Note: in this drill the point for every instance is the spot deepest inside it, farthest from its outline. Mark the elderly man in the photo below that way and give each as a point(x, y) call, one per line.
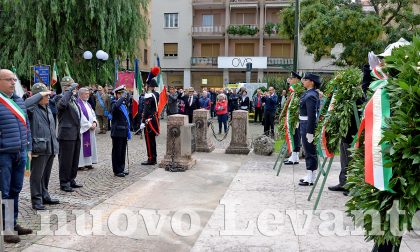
point(15, 137)
point(88, 123)
point(103, 106)
point(44, 145)
point(68, 134)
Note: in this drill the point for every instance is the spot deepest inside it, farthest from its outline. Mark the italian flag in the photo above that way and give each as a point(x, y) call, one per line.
point(137, 88)
point(54, 78)
point(376, 112)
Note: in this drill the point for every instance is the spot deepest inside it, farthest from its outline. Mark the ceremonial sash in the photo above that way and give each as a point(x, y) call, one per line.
point(322, 142)
point(87, 148)
point(11, 105)
point(376, 112)
point(123, 109)
point(289, 129)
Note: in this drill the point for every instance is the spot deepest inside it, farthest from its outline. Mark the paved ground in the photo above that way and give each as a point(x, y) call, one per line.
point(235, 203)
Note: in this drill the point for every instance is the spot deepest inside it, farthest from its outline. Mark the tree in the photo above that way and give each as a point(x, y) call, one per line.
point(63, 29)
point(327, 23)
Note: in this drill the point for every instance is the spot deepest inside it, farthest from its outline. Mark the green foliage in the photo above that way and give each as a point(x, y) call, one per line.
point(293, 108)
point(327, 95)
point(357, 31)
point(55, 29)
point(270, 28)
point(402, 132)
point(242, 30)
point(348, 90)
point(277, 81)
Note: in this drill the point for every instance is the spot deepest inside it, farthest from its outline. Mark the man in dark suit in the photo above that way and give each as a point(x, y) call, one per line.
point(191, 104)
point(244, 101)
point(68, 113)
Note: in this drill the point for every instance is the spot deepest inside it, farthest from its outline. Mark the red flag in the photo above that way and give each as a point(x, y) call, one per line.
point(163, 99)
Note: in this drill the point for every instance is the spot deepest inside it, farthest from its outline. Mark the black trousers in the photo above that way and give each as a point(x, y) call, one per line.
point(269, 123)
point(344, 161)
point(296, 140)
point(259, 114)
point(40, 177)
point(311, 157)
point(190, 117)
point(68, 161)
point(150, 137)
point(119, 147)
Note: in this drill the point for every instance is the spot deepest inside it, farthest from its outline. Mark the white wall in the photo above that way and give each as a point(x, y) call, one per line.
point(180, 35)
point(306, 61)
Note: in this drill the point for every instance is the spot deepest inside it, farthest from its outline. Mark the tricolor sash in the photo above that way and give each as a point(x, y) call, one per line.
point(289, 129)
point(322, 142)
point(11, 105)
point(87, 148)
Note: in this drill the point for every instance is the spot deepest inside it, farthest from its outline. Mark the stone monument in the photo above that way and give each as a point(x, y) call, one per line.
point(178, 143)
point(239, 129)
point(263, 145)
point(203, 141)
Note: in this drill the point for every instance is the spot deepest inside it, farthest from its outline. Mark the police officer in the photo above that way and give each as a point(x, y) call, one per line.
point(150, 120)
point(307, 121)
point(293, 80)
point(120, 130)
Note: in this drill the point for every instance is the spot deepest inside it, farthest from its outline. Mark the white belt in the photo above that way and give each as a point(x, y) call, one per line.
point(303, 118)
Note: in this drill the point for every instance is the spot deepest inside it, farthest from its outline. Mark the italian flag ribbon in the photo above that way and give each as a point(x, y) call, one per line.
point(13, 107)
point(322, 142)
point(289, 129)
point(377, 110)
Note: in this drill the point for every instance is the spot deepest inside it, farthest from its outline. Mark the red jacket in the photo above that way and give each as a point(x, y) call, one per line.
point(224, 107)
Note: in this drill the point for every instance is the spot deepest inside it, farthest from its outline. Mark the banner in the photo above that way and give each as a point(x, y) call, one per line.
point(127, 79)
point(41, 73)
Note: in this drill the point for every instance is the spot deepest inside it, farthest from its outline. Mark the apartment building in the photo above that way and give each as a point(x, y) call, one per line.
point(207, 43)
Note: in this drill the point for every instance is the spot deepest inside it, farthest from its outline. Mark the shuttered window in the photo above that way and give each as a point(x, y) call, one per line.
point(170, 49)
point(281, 50)
point(210, 50)
point(244, 49)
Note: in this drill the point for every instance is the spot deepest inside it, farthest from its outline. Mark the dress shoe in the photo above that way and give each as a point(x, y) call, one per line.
point(51, 201)
point(11, 238)
point(121, 174)
point(290, 163)
point(336, 188)
point(126, 173)
point(22, 231)
point(38, 207)
point(305, 183)
point(149, 162)
point(89, 167)
point(76, 185)
point(346, 193)
point(66, 189)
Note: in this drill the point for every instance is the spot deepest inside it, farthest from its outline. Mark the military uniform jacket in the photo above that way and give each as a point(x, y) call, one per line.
point(68, 117)
point(151, 101)
point(308, 109)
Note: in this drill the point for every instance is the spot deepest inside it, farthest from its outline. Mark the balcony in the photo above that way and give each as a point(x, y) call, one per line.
point(208, 4)
point(285, 63)
point(246, 31)
point(204, 61)
point(277, 3)
point(208, 31)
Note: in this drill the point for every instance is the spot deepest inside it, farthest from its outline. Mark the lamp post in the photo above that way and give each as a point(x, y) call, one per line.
point(101, 57)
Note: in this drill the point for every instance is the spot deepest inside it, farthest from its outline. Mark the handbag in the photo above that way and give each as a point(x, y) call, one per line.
point(39, 145)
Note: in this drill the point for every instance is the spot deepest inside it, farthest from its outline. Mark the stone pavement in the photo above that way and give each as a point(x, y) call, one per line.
point(195, 210)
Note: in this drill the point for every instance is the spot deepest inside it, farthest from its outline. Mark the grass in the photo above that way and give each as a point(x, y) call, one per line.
point(277, 145)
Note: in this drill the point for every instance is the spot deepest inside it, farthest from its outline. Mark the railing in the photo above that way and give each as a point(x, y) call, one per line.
point(279, 62)
point(207, 1)
point(279, 1)
point(208, 30)
point(204, 61)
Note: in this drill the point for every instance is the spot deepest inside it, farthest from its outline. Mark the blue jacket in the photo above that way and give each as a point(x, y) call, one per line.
point(270, 103)
point(309, 107)
point(14, 135)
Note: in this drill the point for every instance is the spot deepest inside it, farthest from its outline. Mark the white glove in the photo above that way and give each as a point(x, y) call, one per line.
point(310, 137)
point(142, 126)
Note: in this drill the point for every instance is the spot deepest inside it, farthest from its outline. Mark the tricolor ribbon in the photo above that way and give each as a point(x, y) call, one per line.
point(322, 143)
point(289, 129)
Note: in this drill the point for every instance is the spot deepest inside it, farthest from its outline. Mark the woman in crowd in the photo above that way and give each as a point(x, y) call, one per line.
point(222, 112)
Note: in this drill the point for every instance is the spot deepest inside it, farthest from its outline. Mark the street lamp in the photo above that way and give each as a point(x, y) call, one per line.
point(101, 57)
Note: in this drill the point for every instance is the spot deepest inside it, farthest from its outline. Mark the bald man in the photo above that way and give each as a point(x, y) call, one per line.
point(15, 138)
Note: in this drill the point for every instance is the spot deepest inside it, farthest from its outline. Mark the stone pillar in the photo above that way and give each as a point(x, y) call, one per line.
point(203, 141)
point(239, 129)
point(181, 147)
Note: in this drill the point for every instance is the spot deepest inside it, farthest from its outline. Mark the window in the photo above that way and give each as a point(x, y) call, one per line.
point(171, 20)
point(282, 50)
point(244, 49)
point(170, 49)
point(145, 56)
point(207, 20)
point(210, 50)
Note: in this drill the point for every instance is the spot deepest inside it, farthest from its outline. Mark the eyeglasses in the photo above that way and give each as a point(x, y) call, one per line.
point(10, 79)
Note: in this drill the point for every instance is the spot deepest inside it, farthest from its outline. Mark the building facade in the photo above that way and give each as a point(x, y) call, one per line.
point(194, 37)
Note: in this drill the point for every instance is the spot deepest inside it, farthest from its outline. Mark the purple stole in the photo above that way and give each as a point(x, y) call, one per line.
point(87, 150)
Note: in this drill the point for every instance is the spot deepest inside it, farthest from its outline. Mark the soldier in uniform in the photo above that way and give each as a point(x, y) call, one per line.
point(150, 120)
point(294, 158)
point(307, 121)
